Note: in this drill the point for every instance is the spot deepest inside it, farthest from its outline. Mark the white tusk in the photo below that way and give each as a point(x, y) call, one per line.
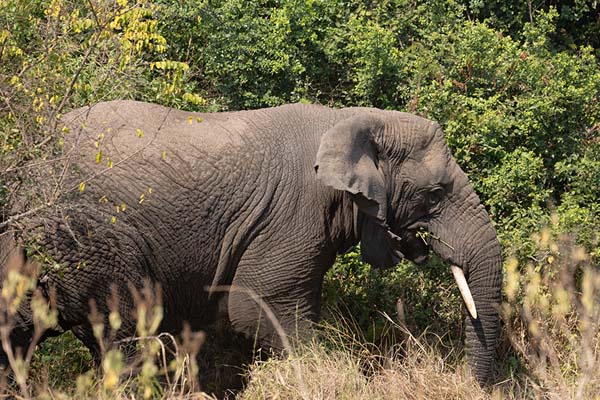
point(463, 287)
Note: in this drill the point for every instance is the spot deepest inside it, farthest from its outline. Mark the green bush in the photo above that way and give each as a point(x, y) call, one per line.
point(577, 23)
point(56, 55)
point(358, 293)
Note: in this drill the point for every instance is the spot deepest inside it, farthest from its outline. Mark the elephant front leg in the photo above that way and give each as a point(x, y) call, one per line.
point(276, 302)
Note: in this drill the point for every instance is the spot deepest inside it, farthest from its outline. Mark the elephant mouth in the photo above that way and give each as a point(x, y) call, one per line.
point(416, 248)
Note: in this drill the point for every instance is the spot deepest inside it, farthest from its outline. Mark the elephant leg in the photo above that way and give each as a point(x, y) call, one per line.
point(273, 293)
point(110, 339)
point(85, 335)
point(96, 316)
point(19, 341)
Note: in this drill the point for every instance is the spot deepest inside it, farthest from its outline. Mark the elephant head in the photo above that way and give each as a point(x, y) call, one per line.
point(400, 174)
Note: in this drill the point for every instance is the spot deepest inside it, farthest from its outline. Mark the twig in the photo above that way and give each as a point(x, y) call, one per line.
point(403, 329)
point(162, 347)
point(530, 12)
point(43, 142)
point(67, 94)
point(17, 217)
point(33, 164)
point(424, 235)
point(94, 14)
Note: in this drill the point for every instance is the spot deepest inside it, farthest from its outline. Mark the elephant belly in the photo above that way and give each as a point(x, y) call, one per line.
point(190, 304)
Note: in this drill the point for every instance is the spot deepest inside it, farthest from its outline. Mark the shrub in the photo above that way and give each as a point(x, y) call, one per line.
point(356, 292)
point(515, 110)
point(60, 54)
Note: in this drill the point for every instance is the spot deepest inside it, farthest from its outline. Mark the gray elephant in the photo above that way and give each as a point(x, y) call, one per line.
point(261, 201)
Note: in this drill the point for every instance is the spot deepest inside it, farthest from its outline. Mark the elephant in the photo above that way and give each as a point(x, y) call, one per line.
point(258, 201)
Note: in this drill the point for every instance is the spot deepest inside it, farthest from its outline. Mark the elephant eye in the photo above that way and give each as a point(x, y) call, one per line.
point(434, 197)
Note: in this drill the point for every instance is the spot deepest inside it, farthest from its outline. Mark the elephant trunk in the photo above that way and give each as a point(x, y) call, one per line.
point(464, 236)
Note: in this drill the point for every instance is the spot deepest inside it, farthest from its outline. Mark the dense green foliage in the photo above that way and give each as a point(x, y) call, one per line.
point(577, 23)
point(516, 90)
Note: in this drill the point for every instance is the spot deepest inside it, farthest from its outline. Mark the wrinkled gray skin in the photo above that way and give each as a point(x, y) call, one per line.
point(262, 200)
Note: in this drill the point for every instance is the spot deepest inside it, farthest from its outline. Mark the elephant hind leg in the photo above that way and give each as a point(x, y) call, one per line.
point(23, 336)
point(99, 334)
point(272, 326)
point(85, 334)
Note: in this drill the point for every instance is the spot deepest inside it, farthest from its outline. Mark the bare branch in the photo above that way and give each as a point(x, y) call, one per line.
point(17, 217)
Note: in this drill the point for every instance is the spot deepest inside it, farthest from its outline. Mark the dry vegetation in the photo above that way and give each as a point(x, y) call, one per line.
point(550, 348)
point(357, 371)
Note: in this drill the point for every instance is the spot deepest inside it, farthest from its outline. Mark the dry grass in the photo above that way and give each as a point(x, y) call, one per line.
point(552, 319)
point(353, 371)
point(550, 348)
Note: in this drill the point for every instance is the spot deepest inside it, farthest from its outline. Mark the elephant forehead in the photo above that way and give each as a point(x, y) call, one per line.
point(436, 161)
point(428, 167)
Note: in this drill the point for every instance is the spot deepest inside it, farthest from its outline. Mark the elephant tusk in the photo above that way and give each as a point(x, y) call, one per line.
point(463, 287)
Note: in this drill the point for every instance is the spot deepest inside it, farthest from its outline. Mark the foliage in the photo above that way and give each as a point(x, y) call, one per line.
point(360, 293)
point(58, 54)
point(58, 359)
point(515, 110)
point(577, 23)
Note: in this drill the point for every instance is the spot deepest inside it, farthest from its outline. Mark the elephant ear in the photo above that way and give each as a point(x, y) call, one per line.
point(349, 159)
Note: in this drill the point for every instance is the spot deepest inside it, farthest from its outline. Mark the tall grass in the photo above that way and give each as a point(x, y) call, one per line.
point(549, 347)
point(343, 367)
point(552, 319)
